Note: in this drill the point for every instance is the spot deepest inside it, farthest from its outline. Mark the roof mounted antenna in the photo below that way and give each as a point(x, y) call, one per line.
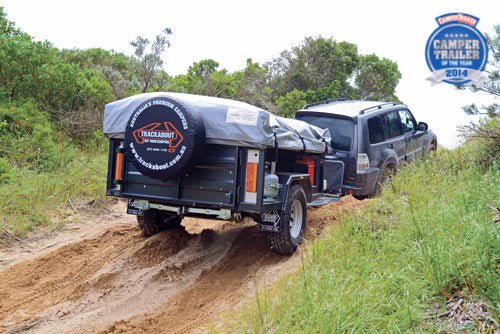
point(324, 102)
point(379, 106)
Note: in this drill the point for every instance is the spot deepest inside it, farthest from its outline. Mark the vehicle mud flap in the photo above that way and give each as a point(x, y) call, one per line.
point(163, 138)
point(269, 221)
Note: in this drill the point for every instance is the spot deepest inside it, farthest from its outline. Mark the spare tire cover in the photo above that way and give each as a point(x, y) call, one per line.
point(163, 138)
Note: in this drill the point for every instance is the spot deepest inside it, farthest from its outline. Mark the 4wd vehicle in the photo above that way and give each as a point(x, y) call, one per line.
point(175, 155)
point(372, 139)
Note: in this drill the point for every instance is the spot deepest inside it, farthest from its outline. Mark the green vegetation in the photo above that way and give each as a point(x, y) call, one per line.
point(42, 169)
point(31, 198)
point(429, 236)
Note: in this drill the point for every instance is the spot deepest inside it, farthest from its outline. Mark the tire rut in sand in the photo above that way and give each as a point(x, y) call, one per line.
point(34, 285)
point(215, 289)
point(87, 285)
point(177, 281)
point(248, 263)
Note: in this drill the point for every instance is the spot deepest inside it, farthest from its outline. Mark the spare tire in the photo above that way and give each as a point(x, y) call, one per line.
point(163, 138)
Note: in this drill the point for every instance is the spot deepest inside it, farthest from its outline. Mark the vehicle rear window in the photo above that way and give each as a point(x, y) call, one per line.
point(341, 129)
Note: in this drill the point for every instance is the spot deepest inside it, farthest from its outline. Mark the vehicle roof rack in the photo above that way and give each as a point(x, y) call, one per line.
point(324, 102)
point(362, 112)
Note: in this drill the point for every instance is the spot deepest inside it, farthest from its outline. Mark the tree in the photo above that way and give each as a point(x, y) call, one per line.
point(487, 130)
point(314, 64)
point(205, 78)
point(376, 78)
point(7, 27)
point(252, 85)
point(149, 63)
point(70, 93)
point(115, 67)
point(162, 80)
point(203, 69)
point(200, 77)
point(291, 102)
point(492, 85)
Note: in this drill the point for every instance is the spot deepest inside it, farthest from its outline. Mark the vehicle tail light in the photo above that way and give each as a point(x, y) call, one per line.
point(119, 166)
point(363, 162)
point(251, 185)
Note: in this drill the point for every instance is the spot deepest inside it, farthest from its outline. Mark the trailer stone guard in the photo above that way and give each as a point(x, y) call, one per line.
point(175, 155)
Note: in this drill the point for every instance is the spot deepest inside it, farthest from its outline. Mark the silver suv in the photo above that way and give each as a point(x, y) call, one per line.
point(371, 138)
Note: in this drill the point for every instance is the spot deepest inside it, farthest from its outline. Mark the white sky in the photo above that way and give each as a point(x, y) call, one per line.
point(231, 31)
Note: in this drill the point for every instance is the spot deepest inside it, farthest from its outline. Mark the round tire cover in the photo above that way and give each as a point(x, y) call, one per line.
point(163, 139)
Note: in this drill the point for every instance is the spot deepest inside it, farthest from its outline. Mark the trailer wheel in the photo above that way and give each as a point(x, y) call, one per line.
point(292, 224)
point(153, 221)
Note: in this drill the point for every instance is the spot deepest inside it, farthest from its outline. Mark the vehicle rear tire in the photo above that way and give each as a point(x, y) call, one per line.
point(292, 224)
point(383, 179)
point(431, 152)
point(153, 221)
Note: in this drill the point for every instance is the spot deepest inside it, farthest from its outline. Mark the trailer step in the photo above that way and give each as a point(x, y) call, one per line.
point(323, 200)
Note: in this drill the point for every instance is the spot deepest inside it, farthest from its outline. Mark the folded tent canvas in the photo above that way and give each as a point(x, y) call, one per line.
point(227, 122)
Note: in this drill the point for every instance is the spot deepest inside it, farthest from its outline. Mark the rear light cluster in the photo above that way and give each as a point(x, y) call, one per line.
point(363, 162)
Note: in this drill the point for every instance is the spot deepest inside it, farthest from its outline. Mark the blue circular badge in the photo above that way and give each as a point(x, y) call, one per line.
point(456, 52)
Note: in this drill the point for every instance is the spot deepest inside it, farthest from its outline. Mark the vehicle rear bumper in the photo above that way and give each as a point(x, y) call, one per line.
point(366, 182)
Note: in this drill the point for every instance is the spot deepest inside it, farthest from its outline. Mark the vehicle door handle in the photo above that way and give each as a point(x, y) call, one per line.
point(391, 145)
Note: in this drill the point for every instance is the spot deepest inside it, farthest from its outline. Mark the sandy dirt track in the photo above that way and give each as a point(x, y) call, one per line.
point(102, 276)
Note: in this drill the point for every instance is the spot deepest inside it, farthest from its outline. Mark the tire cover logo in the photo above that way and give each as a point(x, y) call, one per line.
point(456, 52)
point(156, 139)
point(159, 133)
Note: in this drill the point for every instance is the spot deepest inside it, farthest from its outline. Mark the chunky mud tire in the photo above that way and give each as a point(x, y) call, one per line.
point(292, 223)
point(154, 221)
point(384, 179)
point(431, 152)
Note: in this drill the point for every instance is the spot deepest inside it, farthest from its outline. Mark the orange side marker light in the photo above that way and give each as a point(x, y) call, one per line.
point(119, 167)
point(251, 185)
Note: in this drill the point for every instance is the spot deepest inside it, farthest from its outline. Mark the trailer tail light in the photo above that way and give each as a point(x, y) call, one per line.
point(363, 162)
point(252, 175)
point(252, 168)
point(119, 166)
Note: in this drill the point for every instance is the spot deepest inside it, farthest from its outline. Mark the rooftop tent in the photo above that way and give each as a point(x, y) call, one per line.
point(227, 122)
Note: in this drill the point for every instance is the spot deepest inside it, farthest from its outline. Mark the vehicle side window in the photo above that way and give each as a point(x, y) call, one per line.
point(376, 129)
point(408, 123)
point(394, 124)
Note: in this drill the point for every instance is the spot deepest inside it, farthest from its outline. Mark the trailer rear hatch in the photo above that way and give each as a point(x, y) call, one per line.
point(211, 183)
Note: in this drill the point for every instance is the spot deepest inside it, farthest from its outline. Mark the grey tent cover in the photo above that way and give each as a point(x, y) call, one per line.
point(227, 122)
